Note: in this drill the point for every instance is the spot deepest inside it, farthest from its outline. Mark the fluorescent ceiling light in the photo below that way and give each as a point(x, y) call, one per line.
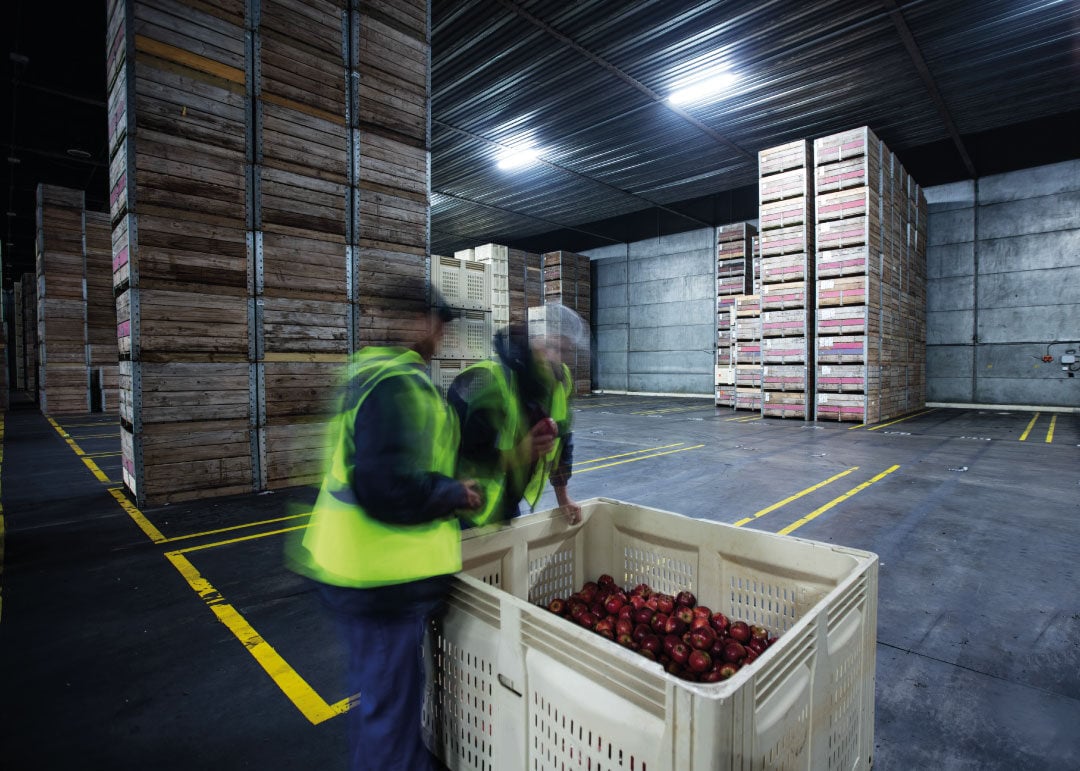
point(517, 157)
point(702, 88)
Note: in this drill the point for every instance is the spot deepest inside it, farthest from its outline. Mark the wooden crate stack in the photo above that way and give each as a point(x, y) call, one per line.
point(178, 108)
point(19, 334)
point(871, 285)
point(279, 154)
point(568, 281)
point(734, 278)
point(29, 336)
point(786, 220)
point(465, 285)
point(101, 351)
point(61, 302)
point(748, 352)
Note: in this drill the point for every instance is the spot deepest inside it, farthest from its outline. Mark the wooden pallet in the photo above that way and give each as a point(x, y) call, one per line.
point(786, 213)
point(785, 268)
point(748, 399)
point(782, 158)
point(787, 323)
point(786, 404)
point(778, 297)
point(784, 377)
point(786, 350)
point(748, 376)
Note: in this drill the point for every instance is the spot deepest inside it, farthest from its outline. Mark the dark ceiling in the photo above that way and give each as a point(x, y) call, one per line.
point(956, 88)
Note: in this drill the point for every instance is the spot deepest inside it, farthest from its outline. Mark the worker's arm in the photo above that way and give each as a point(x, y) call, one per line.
point(393, 446)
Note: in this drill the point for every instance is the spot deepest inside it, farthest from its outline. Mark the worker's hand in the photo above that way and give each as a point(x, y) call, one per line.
point(571, 509)
point(474, 496)
point(542, 438)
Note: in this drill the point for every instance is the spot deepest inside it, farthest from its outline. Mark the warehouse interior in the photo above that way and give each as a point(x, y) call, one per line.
point(828, 257)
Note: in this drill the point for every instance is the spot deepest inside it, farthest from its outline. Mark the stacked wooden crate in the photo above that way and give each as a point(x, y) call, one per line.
point(18, 332)
point(178, 107)
point(734, 277)
point(30, 345)
point(101, 351)
point(300, 226)
point(61, 302)
point(786, 220)
point(748, 352)
point(871, 282)
point(465, 286)
point(568, 281)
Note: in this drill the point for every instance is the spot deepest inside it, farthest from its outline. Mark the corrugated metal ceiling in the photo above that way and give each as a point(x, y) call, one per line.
point(585, 81)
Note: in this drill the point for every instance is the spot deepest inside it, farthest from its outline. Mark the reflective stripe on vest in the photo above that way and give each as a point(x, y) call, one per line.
point(344, 546)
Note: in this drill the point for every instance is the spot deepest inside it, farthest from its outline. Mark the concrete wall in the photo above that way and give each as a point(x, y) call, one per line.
point(1003, 262)
point(654, 314)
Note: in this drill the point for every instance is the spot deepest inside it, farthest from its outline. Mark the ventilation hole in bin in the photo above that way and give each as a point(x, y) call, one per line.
point(551, 576)
point(669, 575)
point(760, 603)
point(788, 754)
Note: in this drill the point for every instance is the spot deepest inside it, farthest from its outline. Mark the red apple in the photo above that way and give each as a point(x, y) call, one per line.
point(648, 654)
point(651, 642)
point(751, 657)
point(558, 606)
point(605, 580)
point(674, 625)
point(640, 632)
point(665, 603)
point(577, 608)
point(759, 633)
point(674, 668)
point(719, 622)
point(728, 670)
point(686, 598)
point(669, 642)
point(614, 603)
point(699, 661)
point(590, 591)
point(680, 652)
point(605, 626)
point(734, 652)
point(651, 603)
point(717, 648)
point(627, 612)
point(637, 602)
point(701, 622)
point(642, 590)
point(757, 646)
point(643, 616)
point(587, 620)
point(685, 614)
point(656, 623)
point(703, 638)
point(624, 626)
point(702, 611)
point(739, 632)
point(625, 640)
point(712, 676)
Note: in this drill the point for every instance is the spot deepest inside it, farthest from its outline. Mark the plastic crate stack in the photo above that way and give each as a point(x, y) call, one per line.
point(786, 221)
point(517, 282)
point(748, 352)
point(568, 281)
point(871, 281)
point(466, 287)
point(734, 277)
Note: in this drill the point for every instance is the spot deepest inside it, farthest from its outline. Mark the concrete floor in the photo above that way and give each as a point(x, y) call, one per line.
point(112, 655)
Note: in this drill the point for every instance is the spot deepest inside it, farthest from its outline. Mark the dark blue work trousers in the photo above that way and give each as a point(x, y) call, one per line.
point(386, 669)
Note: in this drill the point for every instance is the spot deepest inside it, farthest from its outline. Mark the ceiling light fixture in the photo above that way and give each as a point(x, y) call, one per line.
point(75, 152)
point(702, 88)
point(517, 157)
point(13, 160)
point(12, 214)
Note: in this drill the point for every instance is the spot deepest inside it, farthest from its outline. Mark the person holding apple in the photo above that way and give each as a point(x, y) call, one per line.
point(384, 538)
point(516, 429)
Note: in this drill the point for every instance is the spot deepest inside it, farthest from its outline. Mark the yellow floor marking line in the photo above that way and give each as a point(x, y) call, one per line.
point(641, 457)
point(751, 420)
point(852, 428)
point(1031, 425)
point(189, 536)
point(737, 417)
point(252, 537)
point(839, 499)
point(100, 475)
point(680, 408)
point(100, 436)
point(795, 497)
point(296, 689)
point(1050, 431)
point(139, 518)
point(635, 452)
point(901, 420)
point(102, 454)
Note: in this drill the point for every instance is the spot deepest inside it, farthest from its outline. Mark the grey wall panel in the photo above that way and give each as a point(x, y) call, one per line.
point(610, 273)
point(1036, 251)
point(1053, 179)
point(956, 293)
point(611, 296)
point(1026, 293)
point(609, 339)
point(670, 266)
point(949, 260)
point(948, 328)
point(607, 252)
point(673, 244)
point(685, 313)
point(668, 383)
point(697, 337)
point(951, 227)
point(609, 316)
point(668, 362)
point(671, 291)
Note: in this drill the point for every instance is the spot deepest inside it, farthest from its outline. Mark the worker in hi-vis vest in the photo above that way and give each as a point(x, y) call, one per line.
point(516, 428)
point(384, 539)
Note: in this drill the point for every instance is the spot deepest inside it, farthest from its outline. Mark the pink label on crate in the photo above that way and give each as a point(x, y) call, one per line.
point(118, 188)
point(117, 42)
point(852, 145)
point(123, 329)
point(117, 116)
point(856, 204)
point(120, 259)
point(783, 242)
point(839, 293)
point(840, 380)
point(839, 322)
point(849, 232)
point(843, 346)
point(129, 465)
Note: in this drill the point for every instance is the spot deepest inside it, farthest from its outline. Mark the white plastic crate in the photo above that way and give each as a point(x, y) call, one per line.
point(514, 686)
point(467, 337)
point(462, 283)
point(443, 372)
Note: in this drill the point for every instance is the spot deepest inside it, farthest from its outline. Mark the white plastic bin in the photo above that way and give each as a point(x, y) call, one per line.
point(516, 687)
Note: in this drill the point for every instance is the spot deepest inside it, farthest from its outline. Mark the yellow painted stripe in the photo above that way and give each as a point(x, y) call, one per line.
point(633, 460)
point(839, 499)
point(100, 475)
point(99, 436)
point(635, 452)
point(66, 437)
point(852, 428)
point(140, 519)
point(737, 417)
point(215, 544)
point(1031, 425)
point(1050, 431)
point(189, 536)
point(750, 420)
point(795, 497)
point(901, 420)
point(296, 689)
point(102, 454)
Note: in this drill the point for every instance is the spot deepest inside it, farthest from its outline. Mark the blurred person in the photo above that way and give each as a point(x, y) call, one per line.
point(516, 426)
point(384, 540)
